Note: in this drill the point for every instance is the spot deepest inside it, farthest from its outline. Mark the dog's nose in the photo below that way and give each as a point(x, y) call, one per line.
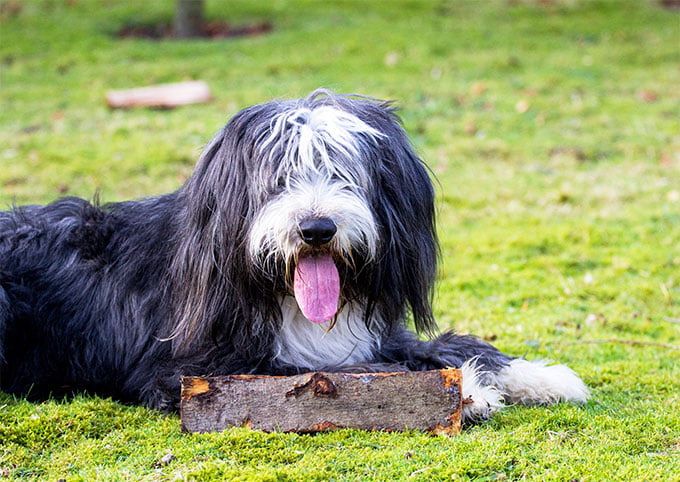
point(317, 231)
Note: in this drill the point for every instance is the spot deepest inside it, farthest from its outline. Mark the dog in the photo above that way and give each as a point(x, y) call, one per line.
point(304, 240)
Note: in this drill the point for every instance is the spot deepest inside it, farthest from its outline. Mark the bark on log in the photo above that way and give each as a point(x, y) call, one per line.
point(163, 96)
point(319, 401)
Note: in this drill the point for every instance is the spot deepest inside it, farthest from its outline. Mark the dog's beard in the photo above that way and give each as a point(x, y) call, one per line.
point(317, 276)
point(323, 312)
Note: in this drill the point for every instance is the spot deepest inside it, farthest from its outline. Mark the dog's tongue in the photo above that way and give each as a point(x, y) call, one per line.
point(317, 287)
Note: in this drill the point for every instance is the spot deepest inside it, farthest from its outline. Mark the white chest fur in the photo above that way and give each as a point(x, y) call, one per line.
point(310, 345)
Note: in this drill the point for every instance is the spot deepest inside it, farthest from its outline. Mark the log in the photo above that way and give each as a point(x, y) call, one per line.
point(163, 96)
point(320, 401)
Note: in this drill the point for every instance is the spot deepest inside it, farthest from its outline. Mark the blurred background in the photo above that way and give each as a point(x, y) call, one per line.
point(530, 81)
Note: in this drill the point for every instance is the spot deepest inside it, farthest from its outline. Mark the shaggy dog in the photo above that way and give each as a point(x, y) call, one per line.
point(305, 240)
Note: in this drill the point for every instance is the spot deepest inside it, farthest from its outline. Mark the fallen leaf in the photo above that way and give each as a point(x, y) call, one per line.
point(646, 95)
point(470, 129)
point(165, 460)
point(522, 106)
point(391, 59)
point(666, 159)
point(594, 318)
point(478, 88)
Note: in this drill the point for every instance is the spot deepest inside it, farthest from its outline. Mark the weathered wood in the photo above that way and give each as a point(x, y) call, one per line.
point(164, 96)
point(319, 401)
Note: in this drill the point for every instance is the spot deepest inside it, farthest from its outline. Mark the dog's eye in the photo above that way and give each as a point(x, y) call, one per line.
point(280, 183)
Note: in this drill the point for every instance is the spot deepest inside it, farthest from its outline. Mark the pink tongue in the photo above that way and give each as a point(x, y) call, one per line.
point(317, 287)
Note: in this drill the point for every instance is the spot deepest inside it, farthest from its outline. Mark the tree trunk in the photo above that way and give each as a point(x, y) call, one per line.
point(189, 18)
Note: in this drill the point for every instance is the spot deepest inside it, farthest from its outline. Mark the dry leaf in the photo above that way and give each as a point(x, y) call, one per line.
point(667, 159)
point(646, 95)
point(391, 59)
point(470, 129)
point(478, 88)
point(522, 106)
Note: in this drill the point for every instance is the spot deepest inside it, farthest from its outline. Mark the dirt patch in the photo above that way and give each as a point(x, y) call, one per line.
point(672, 4)
point(211, 30)
point(10, 9)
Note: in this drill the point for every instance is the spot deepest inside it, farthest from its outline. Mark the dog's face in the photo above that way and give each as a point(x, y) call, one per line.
point(316, 182)
point(322, 198)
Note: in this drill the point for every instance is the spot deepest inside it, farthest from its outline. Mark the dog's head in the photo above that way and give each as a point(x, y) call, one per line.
point(322, 198)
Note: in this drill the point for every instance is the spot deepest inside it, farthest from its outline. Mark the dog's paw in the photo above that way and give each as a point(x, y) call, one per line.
point(537, 383)
point(480, 400)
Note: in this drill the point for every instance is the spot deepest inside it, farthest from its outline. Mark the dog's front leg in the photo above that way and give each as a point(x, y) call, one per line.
point(490, 377)
point(478, 361)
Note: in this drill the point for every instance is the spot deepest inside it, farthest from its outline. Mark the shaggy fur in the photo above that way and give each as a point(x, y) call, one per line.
point(124, 298)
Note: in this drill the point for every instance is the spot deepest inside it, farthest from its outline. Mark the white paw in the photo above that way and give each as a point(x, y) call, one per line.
point(480, 400)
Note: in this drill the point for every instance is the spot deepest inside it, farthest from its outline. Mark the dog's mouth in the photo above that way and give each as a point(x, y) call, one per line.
point(316, 285)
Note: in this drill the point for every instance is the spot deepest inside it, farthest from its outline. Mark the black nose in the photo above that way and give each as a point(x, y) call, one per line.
point(317, 231)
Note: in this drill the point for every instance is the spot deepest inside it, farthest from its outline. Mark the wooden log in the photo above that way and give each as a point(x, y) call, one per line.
point(164, 96)
point(312, 402)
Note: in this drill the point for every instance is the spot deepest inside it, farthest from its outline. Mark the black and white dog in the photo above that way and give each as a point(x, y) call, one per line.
point(304, 241)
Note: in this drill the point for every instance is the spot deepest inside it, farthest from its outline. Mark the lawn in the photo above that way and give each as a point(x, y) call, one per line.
point(553, 129)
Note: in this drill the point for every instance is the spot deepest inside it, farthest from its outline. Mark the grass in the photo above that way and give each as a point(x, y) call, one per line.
point(553, 130)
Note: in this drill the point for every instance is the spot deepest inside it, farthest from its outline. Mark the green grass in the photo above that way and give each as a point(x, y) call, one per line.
point(553, 129)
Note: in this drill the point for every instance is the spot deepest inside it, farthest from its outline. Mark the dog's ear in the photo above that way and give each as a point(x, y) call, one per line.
point(209, 270)
point(403, 202)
